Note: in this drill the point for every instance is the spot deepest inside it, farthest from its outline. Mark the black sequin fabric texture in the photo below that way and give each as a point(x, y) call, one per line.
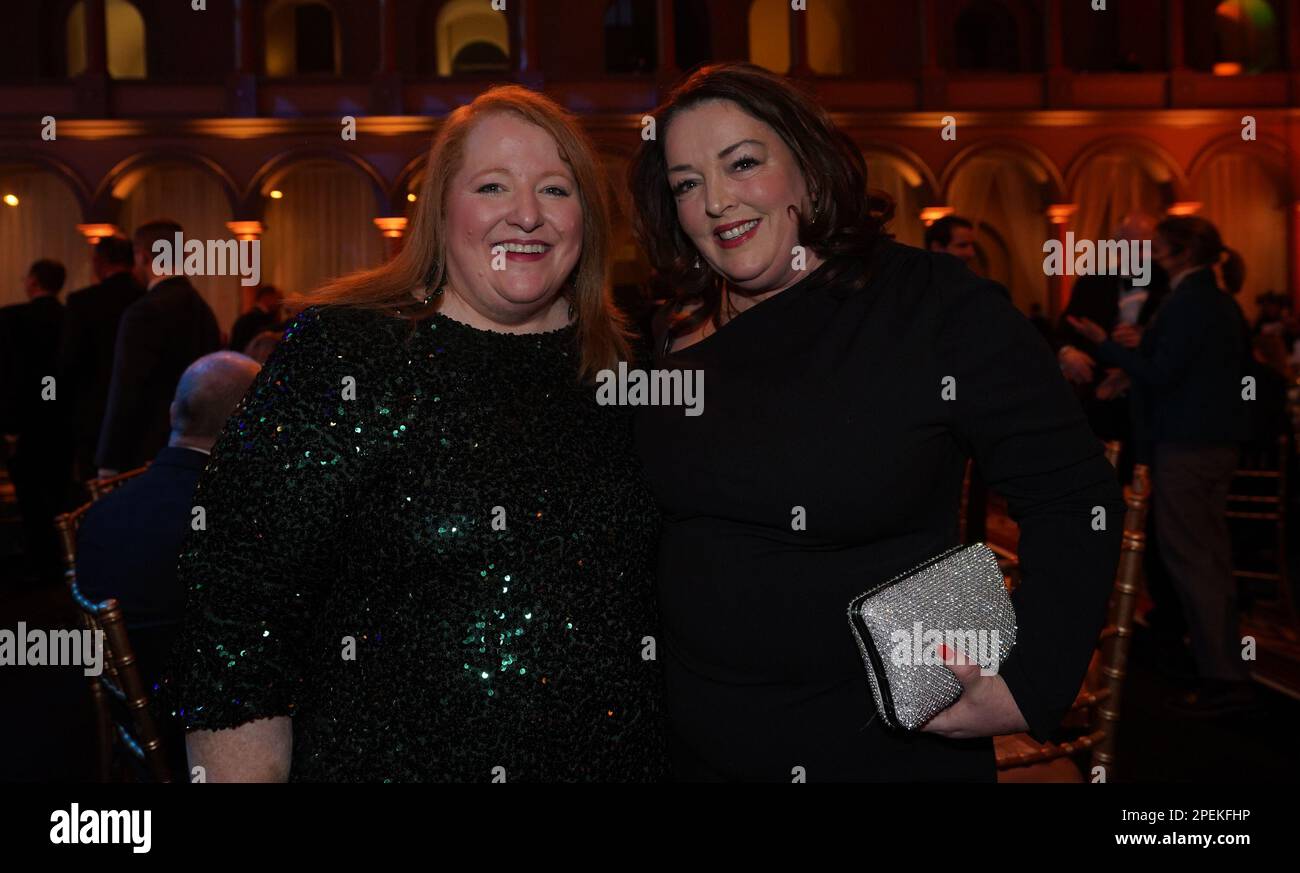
point(431, 546)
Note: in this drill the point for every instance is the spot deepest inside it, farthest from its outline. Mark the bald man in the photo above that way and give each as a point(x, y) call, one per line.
point(128, 543)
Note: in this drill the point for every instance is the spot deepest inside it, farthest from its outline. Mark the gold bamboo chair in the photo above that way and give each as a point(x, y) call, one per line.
point(67, 525)
point(99, 487)
point(126, 720)
point(1258, 495)
point(1096, 709)
point(118, 697)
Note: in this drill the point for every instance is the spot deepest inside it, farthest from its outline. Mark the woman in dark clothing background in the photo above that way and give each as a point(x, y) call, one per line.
point(1188, 366)
point(848, 380)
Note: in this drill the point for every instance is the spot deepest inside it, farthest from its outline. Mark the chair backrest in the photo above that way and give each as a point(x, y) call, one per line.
point(1096, 708)
point(1258, 496)
point(67, 524)
point(1118, 633)
point(120, 691)
point(121, 705)
point(99, 487)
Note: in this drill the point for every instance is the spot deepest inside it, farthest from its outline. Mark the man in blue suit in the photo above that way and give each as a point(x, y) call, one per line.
point(1189, 365)
point(129, 541)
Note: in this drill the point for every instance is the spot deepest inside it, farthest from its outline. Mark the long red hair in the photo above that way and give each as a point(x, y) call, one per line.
point(421, 264)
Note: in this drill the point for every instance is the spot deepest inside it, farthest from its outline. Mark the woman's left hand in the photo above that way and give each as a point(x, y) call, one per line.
point(985, 708)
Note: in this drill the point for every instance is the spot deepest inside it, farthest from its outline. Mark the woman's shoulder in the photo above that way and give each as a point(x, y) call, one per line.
point(916, 279)
point(918, 269)
point(334, 320)
point(323, 331)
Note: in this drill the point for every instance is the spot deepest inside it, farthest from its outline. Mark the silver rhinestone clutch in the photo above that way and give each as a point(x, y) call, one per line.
point(956, 598)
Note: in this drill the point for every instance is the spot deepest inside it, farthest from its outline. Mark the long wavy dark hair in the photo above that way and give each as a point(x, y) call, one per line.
point(848, 221)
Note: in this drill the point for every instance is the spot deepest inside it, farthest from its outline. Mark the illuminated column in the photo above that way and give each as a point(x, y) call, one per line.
point(799, 43)
point(1291, 22)
point(1057, 76)
point(386, 87)
point(246, 230)
point(95, 232)
point(245, 38)
point(933, 81)
point(1174, 30)
point(92, 84)
point(393, 228)
point(242, 85)
point(666, 68)
point(1293, 268)
point(523, 47)
point(387, 36)
point(1180, 88)
point(1058, 287)
point(96, 38)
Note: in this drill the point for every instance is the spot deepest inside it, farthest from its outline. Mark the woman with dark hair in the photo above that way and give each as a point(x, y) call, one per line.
point(1188, 366)
point(848, 380)
point(427, 550)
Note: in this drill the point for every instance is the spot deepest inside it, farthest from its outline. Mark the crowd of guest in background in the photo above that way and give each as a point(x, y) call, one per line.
point(1172, 371)
point(89, 388)
point(138, 378)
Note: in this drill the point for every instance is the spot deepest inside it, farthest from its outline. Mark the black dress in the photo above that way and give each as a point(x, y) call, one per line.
point(447, 575)
point(828, 401)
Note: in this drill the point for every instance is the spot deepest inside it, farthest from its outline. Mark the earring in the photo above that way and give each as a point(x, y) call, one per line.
point(430, 291)
point(697, 262)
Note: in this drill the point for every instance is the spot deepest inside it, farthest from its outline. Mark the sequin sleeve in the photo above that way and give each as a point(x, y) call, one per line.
point(266, 508)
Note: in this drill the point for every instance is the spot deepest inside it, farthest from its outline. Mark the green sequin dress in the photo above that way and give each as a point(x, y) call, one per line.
point(430, 546)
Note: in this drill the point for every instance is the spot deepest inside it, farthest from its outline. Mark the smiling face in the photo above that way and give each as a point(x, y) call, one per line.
point(735, 182)
point(512, 190)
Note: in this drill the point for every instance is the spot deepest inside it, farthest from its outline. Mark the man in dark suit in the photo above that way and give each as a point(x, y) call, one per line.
point(1108, 301)
point(33, 407)
point(128, 542)
point(90, 323)
point(265, 315)
point(954, 235)
point(1114, 303)
point(161, 334)
point(1189, 366)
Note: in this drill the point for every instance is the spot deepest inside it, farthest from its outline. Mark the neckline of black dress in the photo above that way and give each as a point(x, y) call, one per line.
point(812, 280)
